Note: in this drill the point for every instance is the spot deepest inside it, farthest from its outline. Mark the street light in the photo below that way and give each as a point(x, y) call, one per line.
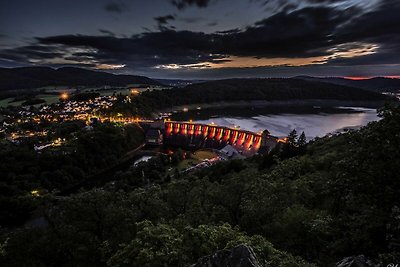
point(64, 96)
point(134, 92)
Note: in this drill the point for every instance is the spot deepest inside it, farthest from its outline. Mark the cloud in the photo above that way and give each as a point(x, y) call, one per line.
point(181, 4)
point(107, 32)
point(115, 7)
point(164, 19)
point(318, 35)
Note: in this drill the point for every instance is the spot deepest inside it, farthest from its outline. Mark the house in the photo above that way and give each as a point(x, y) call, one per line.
point(154, 137)
point(229, 152)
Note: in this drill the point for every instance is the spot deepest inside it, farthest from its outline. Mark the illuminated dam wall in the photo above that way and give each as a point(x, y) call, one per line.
point(196, 136)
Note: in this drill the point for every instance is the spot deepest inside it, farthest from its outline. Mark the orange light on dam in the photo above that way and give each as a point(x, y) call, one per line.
point(241, 138)
point(168, 127)
point(184, 129)
point(191, 129)
point(176, 128)
point(212, 132)
point(249, 141)
point(205, 130)
point(245, 139)
point(227, 134)
point(238, 138)
point(218, 135)
point(198, 130)
point(234, 136)
point(257, 142)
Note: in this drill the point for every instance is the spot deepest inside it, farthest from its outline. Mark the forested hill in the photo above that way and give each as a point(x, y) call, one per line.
point(243, 90)
point(276, 89)
point(34, 77)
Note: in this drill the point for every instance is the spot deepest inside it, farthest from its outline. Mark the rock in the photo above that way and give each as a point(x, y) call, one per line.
point(240, 256)
point(357, 261)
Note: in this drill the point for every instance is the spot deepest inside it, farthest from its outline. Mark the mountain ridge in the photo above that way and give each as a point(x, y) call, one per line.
point(36, 77)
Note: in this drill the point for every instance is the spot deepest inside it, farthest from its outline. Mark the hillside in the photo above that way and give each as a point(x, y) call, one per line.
point(377, 84)
point(34, 77)
point(318, 202)
point(277, 89)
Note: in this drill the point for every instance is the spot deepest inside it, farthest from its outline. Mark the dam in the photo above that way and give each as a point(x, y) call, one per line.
point(191, 135)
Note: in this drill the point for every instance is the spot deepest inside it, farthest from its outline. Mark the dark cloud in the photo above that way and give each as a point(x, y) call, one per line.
point(373, 25)
point(181, 4)
point(164, 19)
point(107, 32)
point(303, 33)
point(115, 7)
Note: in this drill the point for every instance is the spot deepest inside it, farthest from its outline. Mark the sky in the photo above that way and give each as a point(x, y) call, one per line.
point(205, 39)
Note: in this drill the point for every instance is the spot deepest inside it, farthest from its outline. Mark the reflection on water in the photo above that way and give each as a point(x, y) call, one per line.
point(312, 124)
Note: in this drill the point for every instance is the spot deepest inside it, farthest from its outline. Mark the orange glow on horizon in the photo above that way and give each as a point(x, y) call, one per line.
point(355, 78)
point(360, 78)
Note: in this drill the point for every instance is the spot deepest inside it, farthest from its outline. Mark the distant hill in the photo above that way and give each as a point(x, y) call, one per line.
point(34, 77)
point(378, 84)
point(276, 89)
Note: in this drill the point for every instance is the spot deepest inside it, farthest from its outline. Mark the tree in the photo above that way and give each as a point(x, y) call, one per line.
point(289, 149)
point(292, 137)
point(302, 141)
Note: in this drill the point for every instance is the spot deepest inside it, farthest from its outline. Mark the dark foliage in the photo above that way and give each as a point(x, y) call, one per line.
point(86, 153)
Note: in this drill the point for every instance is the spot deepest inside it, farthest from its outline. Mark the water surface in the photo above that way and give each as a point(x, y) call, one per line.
point(316, 124)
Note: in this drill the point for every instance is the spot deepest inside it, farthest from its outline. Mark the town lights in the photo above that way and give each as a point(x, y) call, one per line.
point(134, 92)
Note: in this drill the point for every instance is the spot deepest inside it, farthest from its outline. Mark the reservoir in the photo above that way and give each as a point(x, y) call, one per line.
point(315, 121)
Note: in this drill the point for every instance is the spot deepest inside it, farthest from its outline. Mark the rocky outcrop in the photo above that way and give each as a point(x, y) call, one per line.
point(357, 261)
point(240, 256)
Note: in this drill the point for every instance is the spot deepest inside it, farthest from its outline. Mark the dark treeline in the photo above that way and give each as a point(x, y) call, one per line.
point(243, 90)
point(84, 152)
point(322, 201)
